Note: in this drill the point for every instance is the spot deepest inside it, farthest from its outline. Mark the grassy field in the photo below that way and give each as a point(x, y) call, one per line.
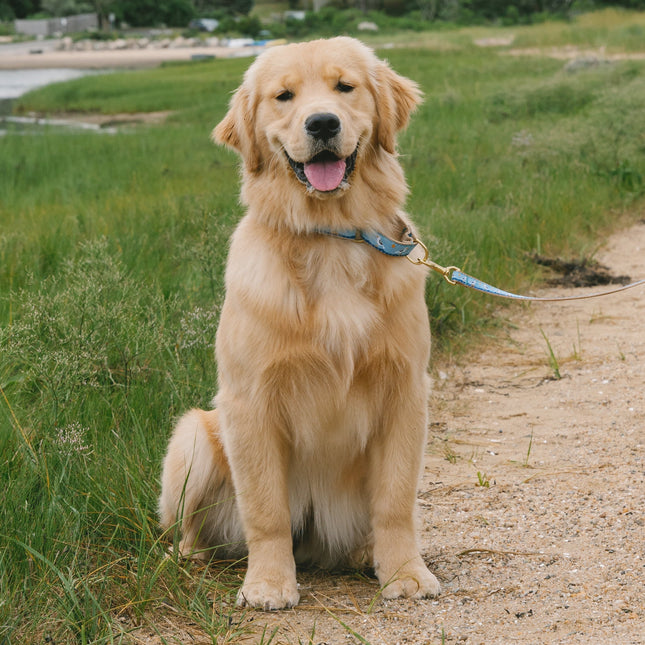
point(111, 257)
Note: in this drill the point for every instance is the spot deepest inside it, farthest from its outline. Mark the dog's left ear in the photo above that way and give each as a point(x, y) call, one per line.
point(236, 129)
point(396, 98)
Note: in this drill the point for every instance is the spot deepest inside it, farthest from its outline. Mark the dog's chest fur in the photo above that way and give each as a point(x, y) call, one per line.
point(328, 311)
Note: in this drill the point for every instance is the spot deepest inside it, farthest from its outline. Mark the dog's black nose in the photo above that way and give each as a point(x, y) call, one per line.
point(322, 125)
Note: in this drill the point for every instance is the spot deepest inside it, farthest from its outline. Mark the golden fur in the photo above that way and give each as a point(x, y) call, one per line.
point(314, 450)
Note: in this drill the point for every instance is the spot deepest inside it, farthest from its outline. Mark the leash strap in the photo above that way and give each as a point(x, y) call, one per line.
point(452, 274)
point(466, 280)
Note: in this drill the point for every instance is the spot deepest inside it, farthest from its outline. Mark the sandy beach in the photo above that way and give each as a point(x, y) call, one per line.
point(41, 55)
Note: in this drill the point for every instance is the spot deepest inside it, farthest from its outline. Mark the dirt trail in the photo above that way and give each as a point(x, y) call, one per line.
point(560, 529)
point(533, 492)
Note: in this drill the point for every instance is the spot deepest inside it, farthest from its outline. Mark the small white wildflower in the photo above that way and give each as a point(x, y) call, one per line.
point(71, 439)
point(198, 328)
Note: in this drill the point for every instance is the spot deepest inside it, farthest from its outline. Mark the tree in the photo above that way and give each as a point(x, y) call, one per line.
point(22, 8)
point(235, 7)
point(147, 13)
point(103, 8)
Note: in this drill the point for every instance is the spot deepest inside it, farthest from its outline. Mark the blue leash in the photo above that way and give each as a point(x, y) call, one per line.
point(452, 274)
point(466, 280)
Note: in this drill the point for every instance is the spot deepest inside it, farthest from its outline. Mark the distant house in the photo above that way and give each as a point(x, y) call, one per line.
point(57, 26)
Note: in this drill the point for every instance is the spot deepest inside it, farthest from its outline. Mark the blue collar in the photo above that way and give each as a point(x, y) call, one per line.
point(379, 241)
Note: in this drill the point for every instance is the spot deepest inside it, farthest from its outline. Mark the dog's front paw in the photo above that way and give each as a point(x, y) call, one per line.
point(411, 581)
point(280, 592)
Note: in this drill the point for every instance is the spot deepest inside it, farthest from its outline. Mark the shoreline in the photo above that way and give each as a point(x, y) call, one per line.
point(117, 59)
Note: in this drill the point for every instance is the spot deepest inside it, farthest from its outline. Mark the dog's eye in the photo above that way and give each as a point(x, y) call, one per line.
point(344, 87)
point(285, 95)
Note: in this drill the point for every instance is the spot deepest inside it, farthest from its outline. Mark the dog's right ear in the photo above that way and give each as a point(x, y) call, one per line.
point(236, 129)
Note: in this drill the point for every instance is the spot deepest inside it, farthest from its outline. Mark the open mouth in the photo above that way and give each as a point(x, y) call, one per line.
point(325, 172)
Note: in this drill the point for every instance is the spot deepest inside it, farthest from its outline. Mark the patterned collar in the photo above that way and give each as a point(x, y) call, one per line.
point(378, 241)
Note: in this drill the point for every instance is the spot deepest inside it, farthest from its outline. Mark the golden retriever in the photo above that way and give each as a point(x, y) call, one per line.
point(314, 450)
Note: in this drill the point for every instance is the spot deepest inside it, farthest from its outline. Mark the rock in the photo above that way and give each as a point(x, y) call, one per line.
point(119, 43)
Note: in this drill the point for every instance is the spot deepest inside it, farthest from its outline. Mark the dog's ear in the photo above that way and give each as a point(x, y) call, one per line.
point(236, 129)
point(396, 98)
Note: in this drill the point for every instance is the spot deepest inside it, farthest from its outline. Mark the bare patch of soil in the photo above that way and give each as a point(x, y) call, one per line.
point(579, 273)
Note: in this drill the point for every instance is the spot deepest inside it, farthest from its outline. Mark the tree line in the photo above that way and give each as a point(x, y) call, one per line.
point(178, 13)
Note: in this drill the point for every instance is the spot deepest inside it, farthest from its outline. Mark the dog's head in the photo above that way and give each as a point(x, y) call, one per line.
point(315, 111)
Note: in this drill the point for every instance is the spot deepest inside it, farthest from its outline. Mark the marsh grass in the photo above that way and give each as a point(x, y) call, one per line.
point(112, 250)
point(615, 30)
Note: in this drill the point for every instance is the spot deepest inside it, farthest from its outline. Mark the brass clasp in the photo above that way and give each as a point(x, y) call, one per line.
point(446, 272)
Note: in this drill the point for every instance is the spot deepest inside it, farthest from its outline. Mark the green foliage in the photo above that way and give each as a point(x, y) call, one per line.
point(249, 26)
point(6, 15)
point(146, 13)
point(235, 7)
point(20, 8)
point(330, 21)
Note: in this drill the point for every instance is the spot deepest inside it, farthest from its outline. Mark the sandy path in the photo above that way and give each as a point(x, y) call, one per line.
point(552, 550)
point(575, 504)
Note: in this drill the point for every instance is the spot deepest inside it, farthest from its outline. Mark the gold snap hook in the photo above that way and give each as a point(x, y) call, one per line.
point(446, 272)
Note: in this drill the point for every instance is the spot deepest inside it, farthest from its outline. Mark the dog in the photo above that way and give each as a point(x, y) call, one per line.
point(312, 453)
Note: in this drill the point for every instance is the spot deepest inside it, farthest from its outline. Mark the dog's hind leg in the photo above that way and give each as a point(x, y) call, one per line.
point(197, 493)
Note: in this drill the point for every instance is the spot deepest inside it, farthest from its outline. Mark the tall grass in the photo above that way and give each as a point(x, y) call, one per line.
point(616, 30)
point(111, 260)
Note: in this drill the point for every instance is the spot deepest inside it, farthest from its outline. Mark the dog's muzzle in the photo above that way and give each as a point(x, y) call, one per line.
point(326, 171)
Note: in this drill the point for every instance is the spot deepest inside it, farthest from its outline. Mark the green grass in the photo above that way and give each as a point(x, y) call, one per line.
point(111, 264)
point(615, 29)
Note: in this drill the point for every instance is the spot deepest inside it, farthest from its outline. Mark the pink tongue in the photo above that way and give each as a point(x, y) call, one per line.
point(325, 175)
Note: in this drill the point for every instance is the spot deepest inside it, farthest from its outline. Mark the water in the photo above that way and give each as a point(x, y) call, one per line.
point(15, 82)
